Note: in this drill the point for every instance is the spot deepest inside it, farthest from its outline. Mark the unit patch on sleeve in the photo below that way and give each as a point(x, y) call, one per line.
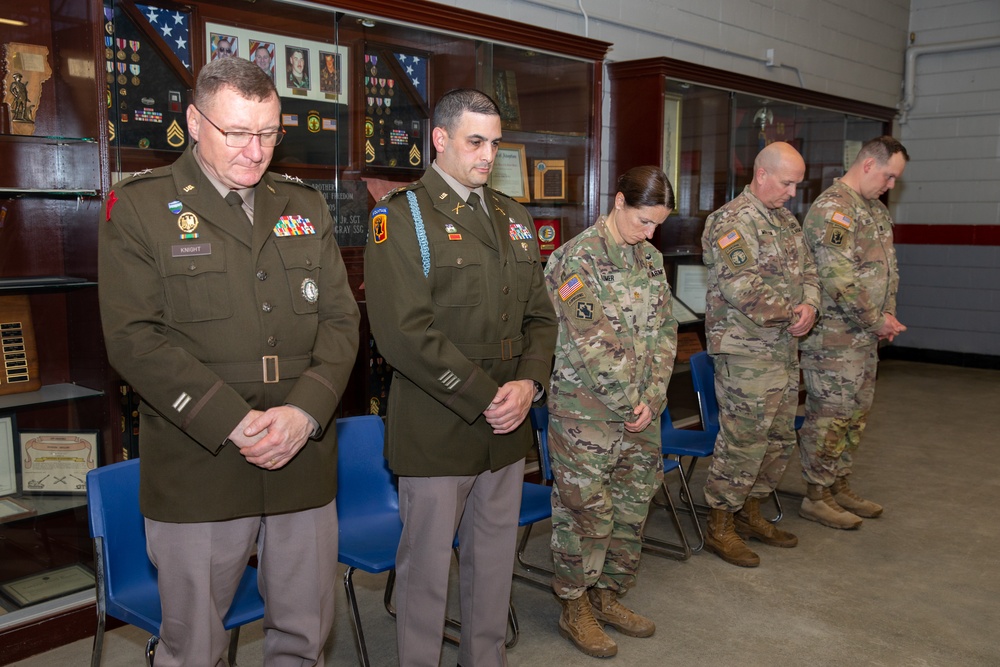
point(380, 230)
point(734, 250)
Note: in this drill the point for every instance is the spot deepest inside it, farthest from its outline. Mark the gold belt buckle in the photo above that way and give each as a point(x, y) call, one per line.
point(506, 349)
point(273, 359)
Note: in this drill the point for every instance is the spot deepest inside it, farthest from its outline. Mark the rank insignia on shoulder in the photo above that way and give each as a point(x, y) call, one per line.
point(380, 226)
point(293, 179)
point(728, 239)
point(519, 232)
point(841, 219)
point(293, 225)
point(570, 287)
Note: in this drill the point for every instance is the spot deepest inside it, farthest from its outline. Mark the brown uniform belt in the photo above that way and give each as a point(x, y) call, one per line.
point(506, 349)
point(269, 369)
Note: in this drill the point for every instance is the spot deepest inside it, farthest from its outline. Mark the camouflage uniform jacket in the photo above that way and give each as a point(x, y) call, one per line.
point(851, 238)
point(617, 336)
point(759, 269)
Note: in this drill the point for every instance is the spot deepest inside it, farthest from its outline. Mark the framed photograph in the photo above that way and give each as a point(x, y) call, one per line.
point(262, 55)
point(548, 231)
point(57, 461)
point(550, 179)
point(224, 46)
point(329, 73)
point(8, 469)
point(671, 160)
point(297, 68)
point(510, 172)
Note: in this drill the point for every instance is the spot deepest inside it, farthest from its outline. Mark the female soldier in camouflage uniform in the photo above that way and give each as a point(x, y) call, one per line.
point(614, 355)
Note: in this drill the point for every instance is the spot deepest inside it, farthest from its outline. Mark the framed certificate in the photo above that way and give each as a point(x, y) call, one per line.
point(550, 179)
point(510, 172)
point(8, 471)
point(57, 461)
point(672, 139)
point(48, 585)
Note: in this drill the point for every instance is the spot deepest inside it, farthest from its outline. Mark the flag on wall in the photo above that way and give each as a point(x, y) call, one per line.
point(174, 27)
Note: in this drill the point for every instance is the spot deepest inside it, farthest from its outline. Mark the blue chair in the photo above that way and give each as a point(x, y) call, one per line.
point(536, 502)
point(368, 518)
point(126, 579)
point(703, 378)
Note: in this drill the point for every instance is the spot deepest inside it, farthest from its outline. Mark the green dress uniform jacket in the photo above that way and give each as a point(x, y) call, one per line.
point(479, 318)
point(207, 328)
point(617, 335)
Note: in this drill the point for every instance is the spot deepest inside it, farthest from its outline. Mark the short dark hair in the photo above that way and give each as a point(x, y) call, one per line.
point(246, 78)
point(646, 186)
point(882, 148)
point(455, 102)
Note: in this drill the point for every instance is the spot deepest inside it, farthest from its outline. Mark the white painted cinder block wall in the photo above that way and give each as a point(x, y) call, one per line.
point(950, 295)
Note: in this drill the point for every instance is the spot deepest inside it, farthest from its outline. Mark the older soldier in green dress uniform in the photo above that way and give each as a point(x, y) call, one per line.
point(850, 233)
point(458, 307)
point(226, 305)
point(763, 293)
point(614, 356)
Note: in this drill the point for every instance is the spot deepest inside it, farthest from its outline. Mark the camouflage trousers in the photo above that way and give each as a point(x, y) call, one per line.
point(604, 478)
point(840, 388)
point(757, 403)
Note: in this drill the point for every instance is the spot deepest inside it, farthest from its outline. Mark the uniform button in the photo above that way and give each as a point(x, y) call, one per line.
point(506, 289)
point(262, 275)
point(272, 341)
point(505, 317)
point(308, 262)
point(459, 261)
point(266, 307)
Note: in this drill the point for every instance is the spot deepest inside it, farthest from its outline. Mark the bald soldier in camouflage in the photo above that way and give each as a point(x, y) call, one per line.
point(850, 233)
point(614, 355)
point(763, 293)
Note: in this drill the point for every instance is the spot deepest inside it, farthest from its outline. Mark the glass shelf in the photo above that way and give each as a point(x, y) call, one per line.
point(36, 284)
point(50, 393)
point(38, 192)
point(54, 141)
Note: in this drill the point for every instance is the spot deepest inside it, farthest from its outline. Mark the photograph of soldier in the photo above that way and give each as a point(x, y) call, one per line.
point(613, 361)
point(223, 46)
point(763, 294)
point(850, 233)
point(262, 54)
point(297, 70)
point(329, 73)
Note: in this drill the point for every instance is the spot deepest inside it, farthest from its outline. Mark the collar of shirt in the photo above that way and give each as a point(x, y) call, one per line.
point(459, 189)
point(246, 193)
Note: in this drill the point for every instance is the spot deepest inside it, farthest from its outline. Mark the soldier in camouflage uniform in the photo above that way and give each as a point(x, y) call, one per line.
point(614, 355)
point(850, 233)
point(763, 293)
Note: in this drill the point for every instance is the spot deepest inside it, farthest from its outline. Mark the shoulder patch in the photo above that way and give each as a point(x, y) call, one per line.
point(570, 287)
point(728, 239)
point(380, 224)
point(841, 219)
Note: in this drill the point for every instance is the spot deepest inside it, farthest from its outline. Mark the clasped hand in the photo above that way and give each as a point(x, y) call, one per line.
point(271, 439)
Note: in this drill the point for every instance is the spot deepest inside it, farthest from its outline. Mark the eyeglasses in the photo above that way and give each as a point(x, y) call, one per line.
point(243, 139)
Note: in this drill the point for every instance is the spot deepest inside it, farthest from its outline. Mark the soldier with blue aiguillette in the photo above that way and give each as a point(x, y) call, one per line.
point(763, 294)
point(225, 304)
point(850, 233)
point(457, 304)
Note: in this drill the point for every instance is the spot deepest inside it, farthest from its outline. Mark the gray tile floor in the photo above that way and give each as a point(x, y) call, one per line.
point(918, 587)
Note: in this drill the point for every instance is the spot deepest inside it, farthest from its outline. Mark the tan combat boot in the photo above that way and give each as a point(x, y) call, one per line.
point(607, 609)
point(577, 624)
point(819, 505)
point(852, 502)
point(749, 523)
point(722, 540)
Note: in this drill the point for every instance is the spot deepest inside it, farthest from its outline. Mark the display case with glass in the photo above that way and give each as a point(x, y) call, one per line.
point(357, 82)
point(705, 126)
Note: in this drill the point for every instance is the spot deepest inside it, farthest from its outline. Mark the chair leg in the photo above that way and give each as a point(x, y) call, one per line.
point(659, 547)
point(359, 634)
point(777, 506)
point(691, 507)
point(515, 630)
point(151, 650)
point(533, 573)
point(234, 643)
point(98, 650)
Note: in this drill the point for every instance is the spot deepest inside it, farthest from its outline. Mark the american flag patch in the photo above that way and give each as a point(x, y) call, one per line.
point(841, 219)
point(570, 287)
point(729, 239)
